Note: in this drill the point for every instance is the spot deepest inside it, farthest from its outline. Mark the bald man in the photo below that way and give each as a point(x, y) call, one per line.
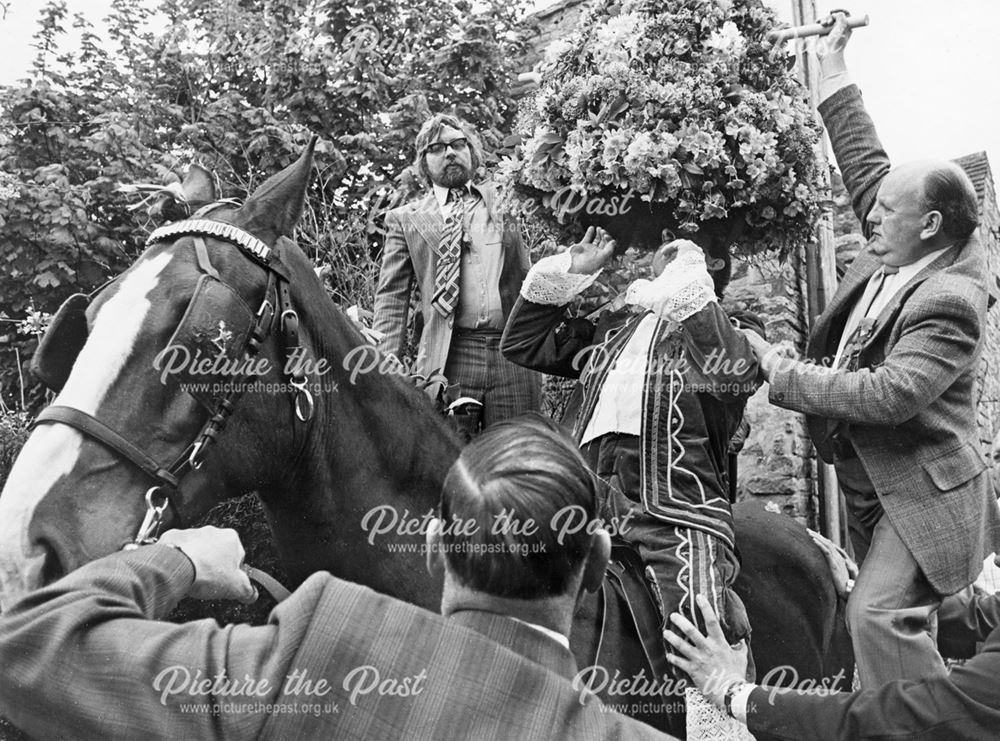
point(888, 388)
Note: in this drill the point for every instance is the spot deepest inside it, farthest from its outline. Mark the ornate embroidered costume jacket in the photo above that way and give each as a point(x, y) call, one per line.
point(698, 374)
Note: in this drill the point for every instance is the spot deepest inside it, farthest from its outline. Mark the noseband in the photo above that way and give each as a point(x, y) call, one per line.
point(276, 307)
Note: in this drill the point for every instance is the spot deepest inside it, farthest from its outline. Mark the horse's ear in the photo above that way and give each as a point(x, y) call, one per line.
point(199, 185)
point(275, 207)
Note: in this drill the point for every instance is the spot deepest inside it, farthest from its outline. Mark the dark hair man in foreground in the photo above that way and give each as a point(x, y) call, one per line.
point(88, 657)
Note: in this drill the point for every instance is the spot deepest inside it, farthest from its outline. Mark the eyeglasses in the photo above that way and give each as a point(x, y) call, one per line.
point(455, 145)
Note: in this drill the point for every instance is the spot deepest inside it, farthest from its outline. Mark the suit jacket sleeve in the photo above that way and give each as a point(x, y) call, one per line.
point(544, 338)
point(395, 284)
point(857, 149)
point(936, 345)
point(964, 620)
point(965, 704)
point(82, 660)
point(726, 363)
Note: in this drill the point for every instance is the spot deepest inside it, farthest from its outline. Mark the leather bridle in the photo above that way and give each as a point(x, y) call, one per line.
point(275, 309)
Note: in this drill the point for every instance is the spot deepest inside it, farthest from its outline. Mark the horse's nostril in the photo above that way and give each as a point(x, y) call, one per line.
point(52, 569)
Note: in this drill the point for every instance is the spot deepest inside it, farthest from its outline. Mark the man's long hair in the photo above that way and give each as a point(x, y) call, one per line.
point(524, 472)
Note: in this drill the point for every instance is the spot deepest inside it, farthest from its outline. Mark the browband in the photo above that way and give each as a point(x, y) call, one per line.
point(248, 243)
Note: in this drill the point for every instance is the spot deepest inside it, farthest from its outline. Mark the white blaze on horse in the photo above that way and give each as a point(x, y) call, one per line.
point(126, 448)
point(54, 451)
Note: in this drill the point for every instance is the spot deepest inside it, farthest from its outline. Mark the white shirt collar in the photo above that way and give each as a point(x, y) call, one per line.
point(554, 635)
point(441, 193)
point(908, 271)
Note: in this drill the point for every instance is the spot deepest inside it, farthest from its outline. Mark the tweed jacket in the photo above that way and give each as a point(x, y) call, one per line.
point(81, 659)
point(906, 402)
point(698, 375)
point(963, 705)
point(410, 256)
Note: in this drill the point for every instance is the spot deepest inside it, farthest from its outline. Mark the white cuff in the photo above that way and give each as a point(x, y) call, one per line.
point(741, 697)
point(830, 84)
point(549, 281)
point(682, 289)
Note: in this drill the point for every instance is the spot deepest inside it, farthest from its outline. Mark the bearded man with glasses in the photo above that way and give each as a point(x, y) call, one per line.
point(468, 265)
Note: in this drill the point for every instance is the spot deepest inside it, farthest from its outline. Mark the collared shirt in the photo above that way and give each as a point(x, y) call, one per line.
point(553, 634)
point(876, 302)
point(479, 305)
point(619, 401)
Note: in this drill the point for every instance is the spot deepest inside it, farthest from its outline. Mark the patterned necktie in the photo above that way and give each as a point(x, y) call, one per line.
point(449, 253)
point(887, 270)
point(859, 320)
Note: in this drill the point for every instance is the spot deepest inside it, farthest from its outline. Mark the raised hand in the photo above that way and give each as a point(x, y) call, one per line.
point(668, 251)
point(592, 252)
point(217, 555)
point(832, 45)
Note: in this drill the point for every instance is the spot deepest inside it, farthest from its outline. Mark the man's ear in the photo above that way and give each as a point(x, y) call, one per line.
point(435, 554)
point(931, 225)
point(597, 560)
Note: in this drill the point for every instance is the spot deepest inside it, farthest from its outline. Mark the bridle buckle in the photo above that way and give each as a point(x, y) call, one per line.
point(150, 527)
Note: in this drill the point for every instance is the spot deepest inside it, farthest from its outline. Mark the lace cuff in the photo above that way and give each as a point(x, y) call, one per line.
point(681, 290)
point(549, 281)
point(705, 722)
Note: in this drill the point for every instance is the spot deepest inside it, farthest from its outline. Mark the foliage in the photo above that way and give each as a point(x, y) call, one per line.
point(683, 106)
point(238, 87)
point(14, 430)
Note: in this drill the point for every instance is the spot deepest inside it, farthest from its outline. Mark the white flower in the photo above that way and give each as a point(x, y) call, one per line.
point(36, 322)
point(579, 149)
point(553, 51)
point(727, 40)
point(615, 142)
point(617, 39)
point(8, 186)
point(542, 100)
point(638, 153)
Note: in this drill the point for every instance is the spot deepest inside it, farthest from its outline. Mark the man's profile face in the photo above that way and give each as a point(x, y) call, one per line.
point(451, 167)
point(898, 219)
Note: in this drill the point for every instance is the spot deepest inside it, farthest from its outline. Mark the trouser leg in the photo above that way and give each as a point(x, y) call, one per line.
point(892, 614)
point(511, 389)
point(685, 562)
point(476, 365)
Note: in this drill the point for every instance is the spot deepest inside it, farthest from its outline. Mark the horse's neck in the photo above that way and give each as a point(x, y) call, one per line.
point(376, 455)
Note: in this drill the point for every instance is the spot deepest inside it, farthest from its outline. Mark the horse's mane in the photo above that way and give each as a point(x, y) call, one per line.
point(334, 334)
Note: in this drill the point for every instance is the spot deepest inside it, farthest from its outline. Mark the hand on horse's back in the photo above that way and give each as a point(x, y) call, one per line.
point(217, 555)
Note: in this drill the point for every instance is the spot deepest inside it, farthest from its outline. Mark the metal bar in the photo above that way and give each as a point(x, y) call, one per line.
point(782, 35)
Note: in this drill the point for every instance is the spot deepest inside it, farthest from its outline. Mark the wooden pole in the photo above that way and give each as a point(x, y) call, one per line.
point(821, 261)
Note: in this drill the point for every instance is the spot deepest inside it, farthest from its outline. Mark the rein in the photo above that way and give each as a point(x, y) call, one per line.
point(276, 303)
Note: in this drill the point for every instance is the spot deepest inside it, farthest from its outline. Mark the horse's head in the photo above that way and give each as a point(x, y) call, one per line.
point(161, 363)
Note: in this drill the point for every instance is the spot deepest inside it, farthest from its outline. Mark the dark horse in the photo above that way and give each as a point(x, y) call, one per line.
point(370, 441)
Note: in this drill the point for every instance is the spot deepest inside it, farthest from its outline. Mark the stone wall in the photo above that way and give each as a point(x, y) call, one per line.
point(977, 165)
point(777, 462)
point(551, 23)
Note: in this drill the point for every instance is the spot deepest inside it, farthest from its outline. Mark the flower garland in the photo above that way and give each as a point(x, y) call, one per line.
point(681, 105)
